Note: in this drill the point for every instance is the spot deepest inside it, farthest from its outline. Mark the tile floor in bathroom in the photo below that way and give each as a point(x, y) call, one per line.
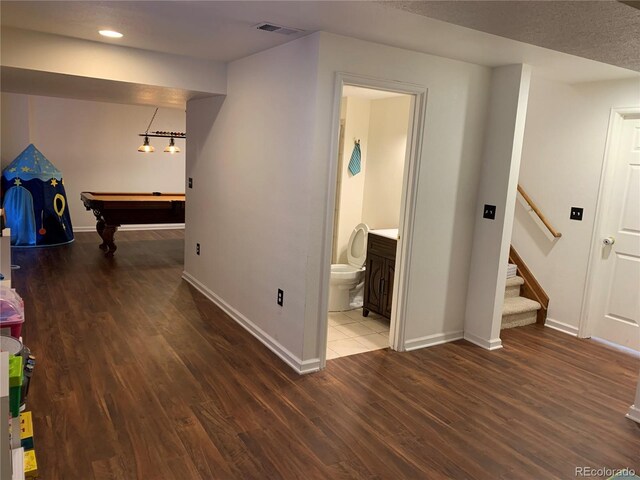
point(350, 333)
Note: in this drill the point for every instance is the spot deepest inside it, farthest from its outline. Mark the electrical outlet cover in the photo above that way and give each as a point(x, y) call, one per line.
point(280, 299)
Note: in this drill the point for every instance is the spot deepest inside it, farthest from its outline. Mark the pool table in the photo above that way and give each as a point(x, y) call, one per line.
point(114, 209)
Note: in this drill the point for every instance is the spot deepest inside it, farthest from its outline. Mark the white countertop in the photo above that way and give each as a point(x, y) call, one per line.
point(391, 233)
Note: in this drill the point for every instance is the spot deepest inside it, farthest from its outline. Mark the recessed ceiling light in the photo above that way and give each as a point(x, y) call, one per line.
point(110, 34)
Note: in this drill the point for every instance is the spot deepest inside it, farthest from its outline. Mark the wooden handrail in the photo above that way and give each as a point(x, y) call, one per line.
point(541, 216)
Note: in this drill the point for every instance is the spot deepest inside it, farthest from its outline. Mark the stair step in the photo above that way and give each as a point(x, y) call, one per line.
point(513, 281)
point(516, 305)
point(519, 320)
point(519, 311)
point(513, 287)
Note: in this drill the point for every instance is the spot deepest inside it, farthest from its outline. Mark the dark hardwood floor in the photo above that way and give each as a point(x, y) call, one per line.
point(140, 377)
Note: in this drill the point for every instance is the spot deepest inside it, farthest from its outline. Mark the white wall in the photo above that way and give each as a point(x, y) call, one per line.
point(498, 184)
point(95, 145)
point(351, 188)
point(44, 52)
point(446, 198)
point(389, 123)
point(562, 159)
point(250, 156)
point(262, 157)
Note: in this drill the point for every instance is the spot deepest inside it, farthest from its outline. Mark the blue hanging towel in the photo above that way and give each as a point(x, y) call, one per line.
point(354, 163)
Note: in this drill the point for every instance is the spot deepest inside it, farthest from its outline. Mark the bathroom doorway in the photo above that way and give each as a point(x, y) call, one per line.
point(375, 145)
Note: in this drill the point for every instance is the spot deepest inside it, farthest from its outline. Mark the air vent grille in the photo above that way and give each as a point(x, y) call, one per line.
point(271, 27)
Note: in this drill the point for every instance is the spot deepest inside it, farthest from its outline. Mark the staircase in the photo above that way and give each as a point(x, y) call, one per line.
point(518, 311)
point(525, 301)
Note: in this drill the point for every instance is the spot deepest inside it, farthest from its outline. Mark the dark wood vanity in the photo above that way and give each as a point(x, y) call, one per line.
point(378, 279)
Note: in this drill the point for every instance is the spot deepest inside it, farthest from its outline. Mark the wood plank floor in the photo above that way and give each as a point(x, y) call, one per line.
point(140, 377)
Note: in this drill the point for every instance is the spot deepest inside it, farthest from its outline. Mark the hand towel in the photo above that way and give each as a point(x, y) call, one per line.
point(354, 163)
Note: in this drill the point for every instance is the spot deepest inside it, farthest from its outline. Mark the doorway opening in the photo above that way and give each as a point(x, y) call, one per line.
point(374, 126)
point(377, 139)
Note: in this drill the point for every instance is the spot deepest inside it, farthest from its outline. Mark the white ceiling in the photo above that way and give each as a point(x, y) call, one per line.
point(604, 30)
point(220, 31)
point(223, 31)
point(368, 93)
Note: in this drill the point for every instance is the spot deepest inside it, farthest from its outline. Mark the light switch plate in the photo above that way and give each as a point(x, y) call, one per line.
point(576, 213)
point(489, 212)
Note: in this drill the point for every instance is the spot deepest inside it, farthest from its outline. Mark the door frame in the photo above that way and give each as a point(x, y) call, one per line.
point(411, 172)
point(605, 190)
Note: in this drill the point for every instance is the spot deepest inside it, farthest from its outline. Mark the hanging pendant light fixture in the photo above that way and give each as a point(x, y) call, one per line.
point(146, 147)
point(171, 148)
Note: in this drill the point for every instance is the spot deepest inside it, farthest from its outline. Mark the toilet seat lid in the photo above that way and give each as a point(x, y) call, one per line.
point(357, 248)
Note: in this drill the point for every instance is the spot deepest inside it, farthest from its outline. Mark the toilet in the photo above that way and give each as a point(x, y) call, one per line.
point(347, 281)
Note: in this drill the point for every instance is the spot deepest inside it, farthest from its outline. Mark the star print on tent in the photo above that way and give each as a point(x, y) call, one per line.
point(26, 167)
point(35, 201)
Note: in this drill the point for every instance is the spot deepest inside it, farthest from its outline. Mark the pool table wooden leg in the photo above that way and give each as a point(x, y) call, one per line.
point(100, 229)
point(107, 237)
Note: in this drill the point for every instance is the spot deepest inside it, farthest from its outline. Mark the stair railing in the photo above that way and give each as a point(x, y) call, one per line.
point(537, 211)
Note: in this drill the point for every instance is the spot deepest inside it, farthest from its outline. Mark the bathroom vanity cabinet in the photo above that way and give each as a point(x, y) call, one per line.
point(378, 279)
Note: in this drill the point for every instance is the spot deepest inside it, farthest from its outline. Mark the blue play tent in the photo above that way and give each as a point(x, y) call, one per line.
point(34, 201)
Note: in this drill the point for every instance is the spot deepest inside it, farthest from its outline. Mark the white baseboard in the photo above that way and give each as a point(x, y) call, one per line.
point(493, 344)
point(131, 228)
point(561, 326)
point(432, 340)
point(634, 413)
point(300, 366)
point(306, 366)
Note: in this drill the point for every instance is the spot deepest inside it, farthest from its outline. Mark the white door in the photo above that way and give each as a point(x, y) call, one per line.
point(617, 282)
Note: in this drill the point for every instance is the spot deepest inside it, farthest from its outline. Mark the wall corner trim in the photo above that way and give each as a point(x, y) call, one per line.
point(634, 413)
point(561, 327)
point(300, 366)
point(493, 344)
point(432, 340)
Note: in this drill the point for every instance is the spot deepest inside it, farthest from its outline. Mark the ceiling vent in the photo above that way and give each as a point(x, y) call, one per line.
point(271, 27)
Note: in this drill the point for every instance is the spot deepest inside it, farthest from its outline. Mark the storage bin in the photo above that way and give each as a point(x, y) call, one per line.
point(11, 311)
